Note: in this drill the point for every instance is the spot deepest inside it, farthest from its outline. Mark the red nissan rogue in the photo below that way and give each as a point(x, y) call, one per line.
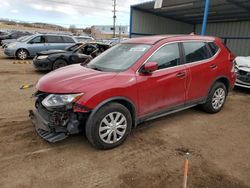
point(135, 81)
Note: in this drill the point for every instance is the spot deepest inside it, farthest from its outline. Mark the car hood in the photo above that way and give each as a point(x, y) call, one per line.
point(243, 63)
point(9, 40)
point(71, 79)
point(4, 36)
point(50, 52)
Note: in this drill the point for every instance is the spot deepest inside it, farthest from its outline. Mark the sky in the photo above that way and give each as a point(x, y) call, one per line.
point(81, 13)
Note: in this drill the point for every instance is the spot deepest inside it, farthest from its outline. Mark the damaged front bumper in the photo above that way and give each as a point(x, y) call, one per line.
point(56, 125)
point(243, 79)
point(43, 130)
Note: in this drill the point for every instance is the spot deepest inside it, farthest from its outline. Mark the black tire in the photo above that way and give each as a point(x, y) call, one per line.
point(22, 54)
point(208, 106)
point(59, 63)
point(92, 129)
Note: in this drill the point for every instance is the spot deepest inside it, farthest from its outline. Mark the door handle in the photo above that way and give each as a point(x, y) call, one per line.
point(180, 74)
point(213, 66)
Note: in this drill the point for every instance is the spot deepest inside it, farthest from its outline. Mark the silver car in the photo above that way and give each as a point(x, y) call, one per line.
point(242, 69)
point(37, 43)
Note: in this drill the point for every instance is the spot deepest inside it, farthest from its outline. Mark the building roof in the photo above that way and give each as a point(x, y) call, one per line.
point(156, 38)
point(191, 11)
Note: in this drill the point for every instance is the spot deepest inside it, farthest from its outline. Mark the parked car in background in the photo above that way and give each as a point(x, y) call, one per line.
point(37, 43)
point(135, 81)
point(84, 39)
point(78, 53)
point(242, 69)
point(3, 33)
point(8, 41)
point(14, 35)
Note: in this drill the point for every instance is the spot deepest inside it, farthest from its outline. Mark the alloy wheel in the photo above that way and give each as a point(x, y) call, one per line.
point(22, 54)
point(112, 127)
point(218, 98)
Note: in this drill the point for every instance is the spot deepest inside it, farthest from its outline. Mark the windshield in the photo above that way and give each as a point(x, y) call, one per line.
point(23, 39)
point(27, 38)
point(73, 47)
point(119, 57)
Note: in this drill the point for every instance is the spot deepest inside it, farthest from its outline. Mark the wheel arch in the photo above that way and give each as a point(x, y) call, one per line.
point(222, 79)
point(58, 59)
point(121, 100)
point(22, 49)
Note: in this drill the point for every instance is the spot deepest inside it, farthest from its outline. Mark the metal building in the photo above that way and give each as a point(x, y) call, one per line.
point(228, 19)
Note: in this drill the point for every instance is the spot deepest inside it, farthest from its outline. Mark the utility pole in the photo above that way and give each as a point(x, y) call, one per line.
point(114, 17)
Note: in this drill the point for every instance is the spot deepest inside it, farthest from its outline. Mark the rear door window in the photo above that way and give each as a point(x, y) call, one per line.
point(167, 56)
point(68, 40)
point(196, 51)
point(54, 39)
point(213, 48)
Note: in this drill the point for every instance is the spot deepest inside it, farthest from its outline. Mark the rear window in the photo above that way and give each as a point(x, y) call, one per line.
point(54, 39)
point(195, 51)
point(213, 48)
point(68, 40)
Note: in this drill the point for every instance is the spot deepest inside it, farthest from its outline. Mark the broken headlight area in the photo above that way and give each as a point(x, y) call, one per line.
point(59, 100)
point(55, 122)
point(243, 77)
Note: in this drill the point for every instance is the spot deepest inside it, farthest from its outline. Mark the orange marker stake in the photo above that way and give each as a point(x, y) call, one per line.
point(185, 171)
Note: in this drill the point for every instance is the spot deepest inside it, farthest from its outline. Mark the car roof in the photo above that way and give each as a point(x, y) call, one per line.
point(51, 34)
point(156, 38)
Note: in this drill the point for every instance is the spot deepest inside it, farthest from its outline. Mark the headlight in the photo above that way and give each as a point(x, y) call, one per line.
point(55, 100)
point(42, 57)
point(236, 67)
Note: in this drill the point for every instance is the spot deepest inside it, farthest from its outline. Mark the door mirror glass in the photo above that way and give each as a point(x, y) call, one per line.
point(150, 67)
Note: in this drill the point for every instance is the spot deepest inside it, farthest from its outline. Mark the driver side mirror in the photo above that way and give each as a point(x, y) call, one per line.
point(149, 67)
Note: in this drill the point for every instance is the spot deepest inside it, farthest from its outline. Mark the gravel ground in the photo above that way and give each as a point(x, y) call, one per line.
point(152, 156)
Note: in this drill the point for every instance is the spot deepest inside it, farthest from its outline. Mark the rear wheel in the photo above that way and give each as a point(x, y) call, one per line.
point(59, 63)
point(216, 98)
point(22, 54)
point(110, 126)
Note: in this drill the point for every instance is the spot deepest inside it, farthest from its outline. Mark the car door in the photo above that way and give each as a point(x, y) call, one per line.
point(67, 41)
point(54, 42)
point(165, 87)
point(201, 69)
point(36, 44)
point(80, 56)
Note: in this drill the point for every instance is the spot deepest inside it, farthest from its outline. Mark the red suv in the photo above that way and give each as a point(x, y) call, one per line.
point(137, 80)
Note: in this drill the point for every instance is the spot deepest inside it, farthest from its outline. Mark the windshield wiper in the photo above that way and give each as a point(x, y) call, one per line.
point(95, 68)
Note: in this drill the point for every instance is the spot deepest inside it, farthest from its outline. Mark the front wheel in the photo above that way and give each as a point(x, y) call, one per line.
point(216, 98)
point(110, 126)
point(22, 54)
point(58, 64)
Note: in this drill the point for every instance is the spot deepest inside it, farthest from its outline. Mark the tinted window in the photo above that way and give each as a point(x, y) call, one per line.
point(39, 39)
point(54, 39)
point(167, 56)
point(68, 40)
point(195, 51)
point(213, 48)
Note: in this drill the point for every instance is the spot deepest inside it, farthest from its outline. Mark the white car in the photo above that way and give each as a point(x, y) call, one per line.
point(242, 69)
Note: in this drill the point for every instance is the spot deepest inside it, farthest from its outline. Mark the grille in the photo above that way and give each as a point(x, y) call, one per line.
point(243, 76)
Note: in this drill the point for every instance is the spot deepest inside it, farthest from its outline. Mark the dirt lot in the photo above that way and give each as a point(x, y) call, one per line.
point(151, 157)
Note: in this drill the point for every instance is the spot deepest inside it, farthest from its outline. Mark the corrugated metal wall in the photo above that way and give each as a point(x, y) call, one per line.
point(146, 23)
point(240, 47)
